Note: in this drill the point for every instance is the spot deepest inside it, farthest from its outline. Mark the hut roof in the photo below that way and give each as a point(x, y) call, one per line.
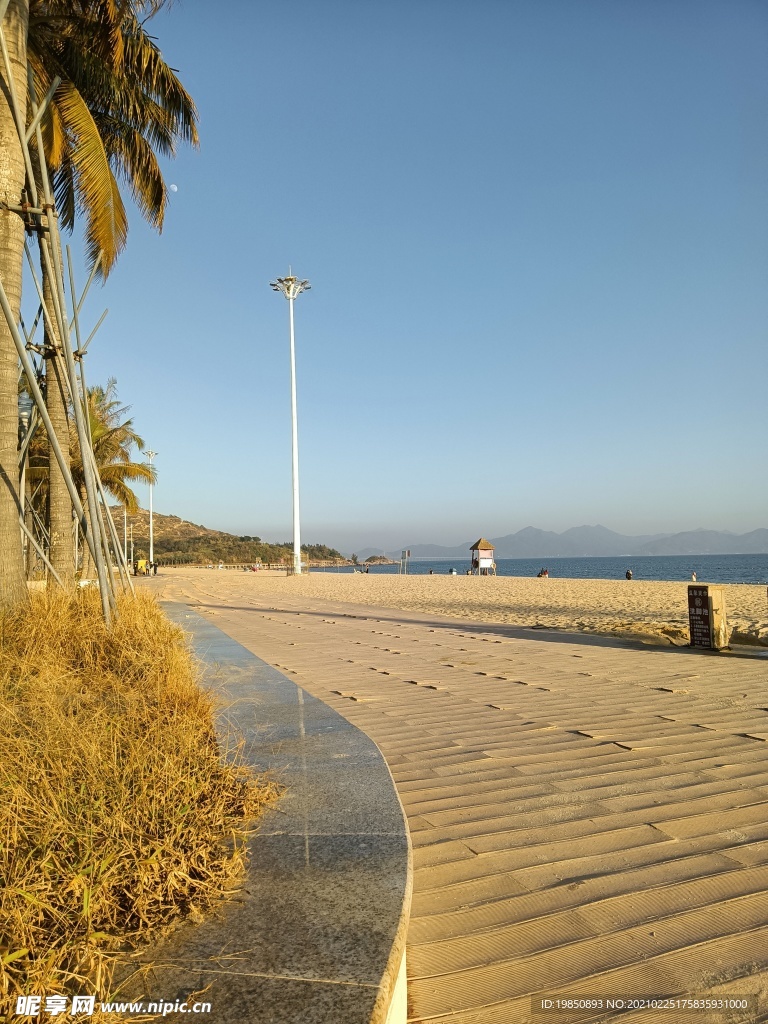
point(482, 543)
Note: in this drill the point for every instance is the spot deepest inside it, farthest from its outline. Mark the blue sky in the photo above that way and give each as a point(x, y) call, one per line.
point(536, 236)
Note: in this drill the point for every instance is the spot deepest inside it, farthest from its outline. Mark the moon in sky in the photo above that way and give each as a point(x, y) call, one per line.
point(174, 188)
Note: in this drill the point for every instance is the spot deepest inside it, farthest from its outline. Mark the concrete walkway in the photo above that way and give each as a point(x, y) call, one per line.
point(588, 817)
point(315, 932)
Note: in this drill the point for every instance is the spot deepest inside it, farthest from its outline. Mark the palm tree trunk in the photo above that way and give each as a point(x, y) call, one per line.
point(29, 519)
point(62, 553)
point(87, 566)
point(13, 587)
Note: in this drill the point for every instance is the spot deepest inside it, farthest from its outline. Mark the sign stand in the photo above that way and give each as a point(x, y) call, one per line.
point(706, 617)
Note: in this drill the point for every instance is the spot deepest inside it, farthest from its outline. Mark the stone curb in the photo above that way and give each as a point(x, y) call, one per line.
point(318, 934)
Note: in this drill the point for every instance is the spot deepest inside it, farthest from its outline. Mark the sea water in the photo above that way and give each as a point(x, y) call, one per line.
point(708, 568)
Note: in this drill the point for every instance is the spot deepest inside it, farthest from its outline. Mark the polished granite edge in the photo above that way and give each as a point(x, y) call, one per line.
point(317, 935)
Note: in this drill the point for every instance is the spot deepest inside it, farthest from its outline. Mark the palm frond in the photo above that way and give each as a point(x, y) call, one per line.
point(107, 223)
point(137, 165)
point(145, 66)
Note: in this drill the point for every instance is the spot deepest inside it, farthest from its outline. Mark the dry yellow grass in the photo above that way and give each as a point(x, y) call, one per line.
point(117, 812)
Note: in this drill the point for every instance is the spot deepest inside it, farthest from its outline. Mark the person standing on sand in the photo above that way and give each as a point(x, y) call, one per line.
point(693, 577)
point(629, 574)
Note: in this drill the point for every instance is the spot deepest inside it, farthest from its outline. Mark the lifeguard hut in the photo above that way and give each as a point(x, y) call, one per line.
point(482, 558)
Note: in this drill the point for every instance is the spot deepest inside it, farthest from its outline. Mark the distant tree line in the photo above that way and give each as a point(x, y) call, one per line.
point(232, 550)
point(317, 552)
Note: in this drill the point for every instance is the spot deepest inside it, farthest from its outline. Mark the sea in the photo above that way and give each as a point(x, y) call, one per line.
point(708, 568)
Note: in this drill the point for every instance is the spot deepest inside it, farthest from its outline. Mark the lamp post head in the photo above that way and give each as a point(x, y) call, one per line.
point(291, 287)
point(150, 455)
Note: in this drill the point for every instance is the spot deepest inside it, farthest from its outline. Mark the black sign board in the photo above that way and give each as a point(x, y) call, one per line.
point(699, 617)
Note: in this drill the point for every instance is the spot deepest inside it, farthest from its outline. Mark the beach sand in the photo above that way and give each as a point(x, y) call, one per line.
point(652, 611)
point(588, 814)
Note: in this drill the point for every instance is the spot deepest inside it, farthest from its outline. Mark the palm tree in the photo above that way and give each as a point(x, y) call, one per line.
point(113, 440)
point(118, 106)
point(105, 55)
point(113, 443)
point(13, 107)
point(12, 178)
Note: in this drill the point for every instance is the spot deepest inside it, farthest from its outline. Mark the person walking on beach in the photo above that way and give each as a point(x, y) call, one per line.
point(629, 574)
point(693, 577)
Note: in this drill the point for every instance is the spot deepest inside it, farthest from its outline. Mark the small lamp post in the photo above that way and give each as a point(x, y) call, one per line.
point(150, 456)
point(291, 287)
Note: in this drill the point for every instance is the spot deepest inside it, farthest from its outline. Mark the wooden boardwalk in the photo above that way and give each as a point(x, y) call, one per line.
point(587, 819)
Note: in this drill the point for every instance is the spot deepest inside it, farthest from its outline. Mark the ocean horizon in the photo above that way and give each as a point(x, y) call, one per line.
point(708, 568)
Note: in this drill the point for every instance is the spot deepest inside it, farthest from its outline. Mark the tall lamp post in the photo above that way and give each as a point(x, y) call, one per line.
point(150, 456)
point(291, 287)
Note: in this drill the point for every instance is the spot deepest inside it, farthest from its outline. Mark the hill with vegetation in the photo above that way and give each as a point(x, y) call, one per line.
point(177, 540)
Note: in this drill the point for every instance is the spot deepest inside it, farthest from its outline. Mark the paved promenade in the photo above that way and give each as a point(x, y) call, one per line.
point(588, 817)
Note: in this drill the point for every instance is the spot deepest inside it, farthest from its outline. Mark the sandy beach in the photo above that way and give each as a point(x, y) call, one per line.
point(652, 611)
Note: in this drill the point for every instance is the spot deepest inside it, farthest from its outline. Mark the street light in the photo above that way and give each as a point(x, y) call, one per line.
point(150, 456)
point(291, 287)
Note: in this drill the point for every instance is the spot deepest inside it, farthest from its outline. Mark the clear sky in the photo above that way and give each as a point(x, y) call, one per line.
point(536, 233)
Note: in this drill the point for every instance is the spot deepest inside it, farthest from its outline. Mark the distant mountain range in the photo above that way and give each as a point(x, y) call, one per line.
point(594, 541)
